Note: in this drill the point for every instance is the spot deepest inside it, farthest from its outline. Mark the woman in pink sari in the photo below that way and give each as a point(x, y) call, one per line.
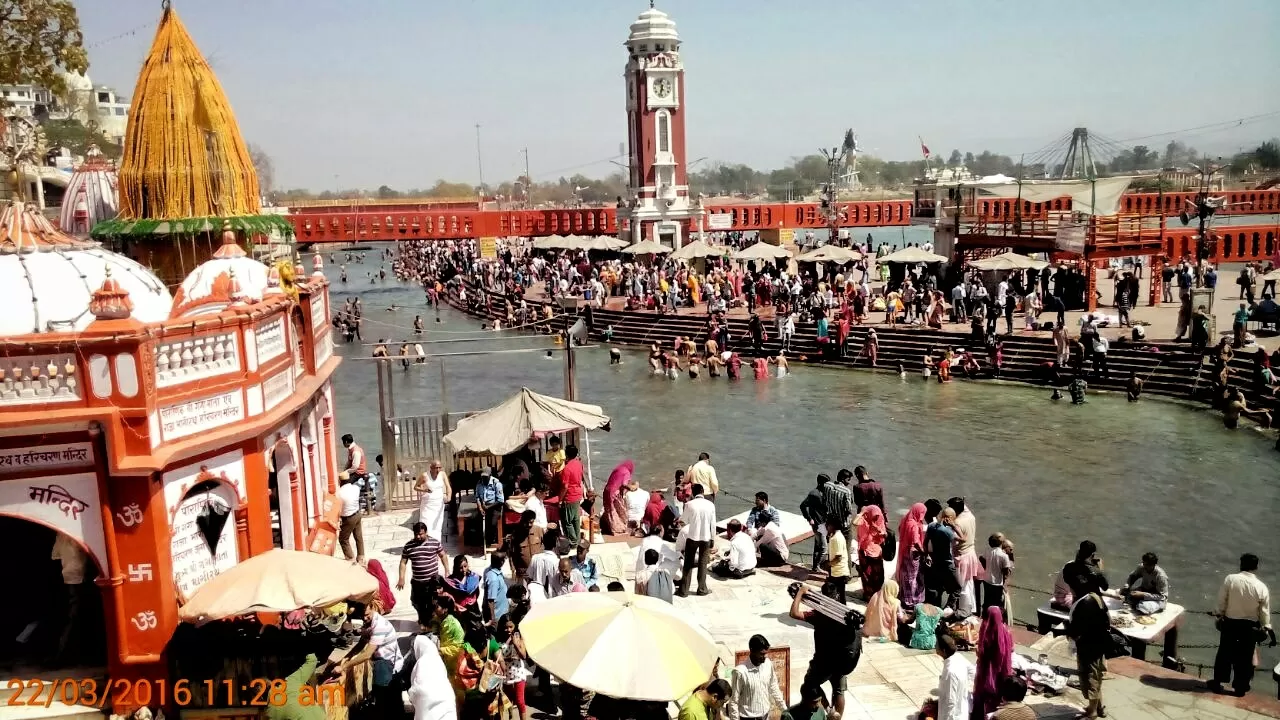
point(994, 662)
point(615, 501)
point(910, 550)
point(871, 537)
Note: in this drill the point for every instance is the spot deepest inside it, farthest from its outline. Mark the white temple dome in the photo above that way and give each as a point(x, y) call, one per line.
point(47, 279)
point(92, 195)
point(653, 25)
point(229, 277)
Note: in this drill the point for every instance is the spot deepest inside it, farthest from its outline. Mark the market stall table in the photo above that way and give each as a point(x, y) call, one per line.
point(1140, 636)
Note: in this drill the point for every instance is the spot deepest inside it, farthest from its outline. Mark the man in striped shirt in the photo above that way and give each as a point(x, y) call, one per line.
point(838, 501)
point(426, 556)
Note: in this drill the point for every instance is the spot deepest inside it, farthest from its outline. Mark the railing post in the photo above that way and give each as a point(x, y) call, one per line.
point(444, 416)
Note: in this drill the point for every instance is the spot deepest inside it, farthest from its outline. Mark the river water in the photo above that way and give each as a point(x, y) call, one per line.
point(1152, 476)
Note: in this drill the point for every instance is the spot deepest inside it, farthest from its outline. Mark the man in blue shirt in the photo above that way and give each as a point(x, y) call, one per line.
point(585, 566)
point(495, 588)
point(491, 503)
point(763, 513)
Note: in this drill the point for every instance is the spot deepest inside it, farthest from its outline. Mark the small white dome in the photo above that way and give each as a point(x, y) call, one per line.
point(230, 276)
point(92, 195)
point(48, 279)
point(653, 25)
point(77, 82)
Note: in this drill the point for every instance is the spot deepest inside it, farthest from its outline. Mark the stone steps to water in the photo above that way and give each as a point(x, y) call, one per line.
point(1173, 371)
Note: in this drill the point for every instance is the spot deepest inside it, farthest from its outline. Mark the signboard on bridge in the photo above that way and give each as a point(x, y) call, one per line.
point(489, 248)
point(719, 221)
point(1070, 237)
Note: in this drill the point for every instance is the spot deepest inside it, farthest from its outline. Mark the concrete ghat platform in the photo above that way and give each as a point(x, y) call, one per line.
point(891, 681)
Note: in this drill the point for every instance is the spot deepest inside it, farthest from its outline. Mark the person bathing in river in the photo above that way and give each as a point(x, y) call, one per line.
point(695, 365)
point(760, 367)
point(944, 367)
point(871, 347)
point(734, 365)
point(928, 364)
point(781, 361)
point(1133, 388)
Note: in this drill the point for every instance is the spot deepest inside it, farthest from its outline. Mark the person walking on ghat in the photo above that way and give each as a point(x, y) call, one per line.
point(1244, 618)
point(349, 496)
point(700, 519)
point(1090, 627)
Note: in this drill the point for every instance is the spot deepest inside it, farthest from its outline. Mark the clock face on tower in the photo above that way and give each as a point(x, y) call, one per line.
point(661, 87)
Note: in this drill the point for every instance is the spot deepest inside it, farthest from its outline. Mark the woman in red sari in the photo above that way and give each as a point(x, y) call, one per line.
point(615, 501)
point(871, 538)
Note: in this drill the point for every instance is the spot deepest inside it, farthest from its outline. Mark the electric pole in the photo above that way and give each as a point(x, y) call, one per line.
point(528, 181)
point(479, 164)
point(830, 211)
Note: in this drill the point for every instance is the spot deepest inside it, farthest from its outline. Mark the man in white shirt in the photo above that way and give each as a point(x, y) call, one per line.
point(702, 473)
point(700, 532)
point(772, 546)
point(637, 500)
point(534, 503)
point(73, 559)
point(1244, 611)
point(349, 496)
point(545, 566)
point(741, 561)
point(955, 682)
point(753, 689)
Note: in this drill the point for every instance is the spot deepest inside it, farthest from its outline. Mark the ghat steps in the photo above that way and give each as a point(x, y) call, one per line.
point(1173, 371)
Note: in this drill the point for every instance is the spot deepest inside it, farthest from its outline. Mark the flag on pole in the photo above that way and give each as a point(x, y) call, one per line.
point(923, 148)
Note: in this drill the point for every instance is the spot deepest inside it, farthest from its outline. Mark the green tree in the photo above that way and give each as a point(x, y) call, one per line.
point(39, 39)
point(264, 167)
point(76, 137)
point(386, 193)
point(1267, 155)
point(954, 160)
point(968, 159)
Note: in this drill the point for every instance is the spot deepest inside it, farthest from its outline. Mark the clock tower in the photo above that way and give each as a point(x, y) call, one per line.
point(660, 207)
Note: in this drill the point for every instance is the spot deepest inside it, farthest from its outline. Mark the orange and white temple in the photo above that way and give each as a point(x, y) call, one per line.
point(160, 438)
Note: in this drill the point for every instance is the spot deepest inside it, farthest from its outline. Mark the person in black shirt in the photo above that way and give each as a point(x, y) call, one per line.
point(837, 647)
point(866, 491)
point(814, 510)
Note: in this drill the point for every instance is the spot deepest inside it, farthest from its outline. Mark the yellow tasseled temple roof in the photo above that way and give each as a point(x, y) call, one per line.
point(183, 153)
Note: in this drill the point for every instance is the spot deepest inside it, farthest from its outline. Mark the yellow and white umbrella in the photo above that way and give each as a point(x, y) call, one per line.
point(619, 644)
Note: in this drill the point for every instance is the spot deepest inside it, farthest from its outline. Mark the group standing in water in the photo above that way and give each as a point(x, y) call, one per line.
point(684, 357)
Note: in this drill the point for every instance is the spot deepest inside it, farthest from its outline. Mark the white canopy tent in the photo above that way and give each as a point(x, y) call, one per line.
point(647, 247)
point(1097, 197)
point(525, 416)
point(763, 251)
point(699, 249)
point(1009, 261)
point(599, 242)
point(555, 242)
point(831, 253)
point(911, 255)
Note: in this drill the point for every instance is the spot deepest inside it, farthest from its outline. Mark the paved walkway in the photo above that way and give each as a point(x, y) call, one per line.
point(891, 681)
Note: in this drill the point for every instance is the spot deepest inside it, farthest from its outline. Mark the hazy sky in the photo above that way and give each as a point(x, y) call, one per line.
point(358, 93)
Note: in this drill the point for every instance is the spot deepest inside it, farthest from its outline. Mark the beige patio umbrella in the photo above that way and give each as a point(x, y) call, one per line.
point(831, 253)
point(699, 249)
point(278, 581)
point(1008, 261)
point(647, 247)
point(577, 638)
point(763, 251)
point(913, 254)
